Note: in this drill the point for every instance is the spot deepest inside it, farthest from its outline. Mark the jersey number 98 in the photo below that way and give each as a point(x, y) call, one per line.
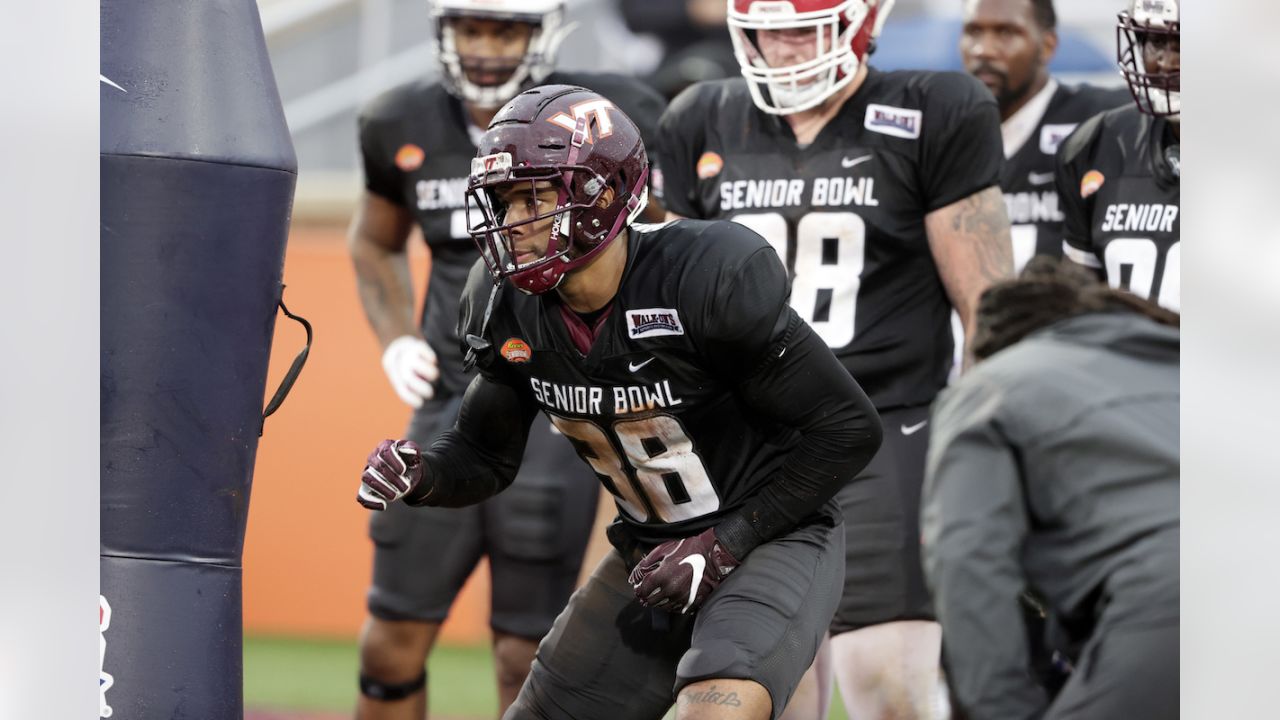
point(830, 252)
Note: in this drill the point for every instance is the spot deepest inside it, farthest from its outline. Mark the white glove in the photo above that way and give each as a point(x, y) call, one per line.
point(410, 364)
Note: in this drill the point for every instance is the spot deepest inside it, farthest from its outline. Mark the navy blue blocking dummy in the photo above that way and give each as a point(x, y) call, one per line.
point(198, 173)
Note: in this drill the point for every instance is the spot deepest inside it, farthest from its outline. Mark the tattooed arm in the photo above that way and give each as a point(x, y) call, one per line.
point(972, 248)
point(376, 240)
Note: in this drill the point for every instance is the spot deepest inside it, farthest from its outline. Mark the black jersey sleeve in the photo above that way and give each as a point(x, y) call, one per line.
point(745, 310)
point(683, 130)
point(784, 372)
point(962, 151)
point(381, 176)
point(479, 457)
point(1074, 157)
point(1101, 99)
point(805, 388)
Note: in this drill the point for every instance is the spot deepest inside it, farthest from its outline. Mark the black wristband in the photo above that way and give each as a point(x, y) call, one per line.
point(737, 536)
point(421, 493)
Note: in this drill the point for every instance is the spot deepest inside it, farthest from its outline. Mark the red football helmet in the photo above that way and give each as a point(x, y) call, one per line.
point(580, 143)
point(1154, 24)
point(845, 34)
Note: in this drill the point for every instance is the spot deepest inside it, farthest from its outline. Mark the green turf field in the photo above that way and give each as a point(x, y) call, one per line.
point(320, 676)
point(293, 674)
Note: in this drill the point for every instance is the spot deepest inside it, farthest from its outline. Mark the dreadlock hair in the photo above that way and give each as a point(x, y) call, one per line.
point(1049, 290)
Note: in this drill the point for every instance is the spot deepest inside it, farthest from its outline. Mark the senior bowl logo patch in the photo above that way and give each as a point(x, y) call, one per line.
point(709, 165)
point(517, 351)
point(409, 157)
point(1090, 183)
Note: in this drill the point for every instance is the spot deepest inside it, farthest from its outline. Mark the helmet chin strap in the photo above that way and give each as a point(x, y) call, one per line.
point(562, 226)
point(478, 342)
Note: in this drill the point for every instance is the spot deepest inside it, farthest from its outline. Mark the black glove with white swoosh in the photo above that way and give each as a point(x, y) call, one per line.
point(678, 575)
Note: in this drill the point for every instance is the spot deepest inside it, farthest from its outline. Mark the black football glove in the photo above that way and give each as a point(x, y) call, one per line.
point(392, 470)
point(678, 575)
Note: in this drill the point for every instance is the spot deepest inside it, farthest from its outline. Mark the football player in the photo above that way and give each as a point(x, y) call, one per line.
point(1055, 465)
point(417, 142)
point(1118, 173)
point(880, 193)
point(719, 421)
point(1007, 44)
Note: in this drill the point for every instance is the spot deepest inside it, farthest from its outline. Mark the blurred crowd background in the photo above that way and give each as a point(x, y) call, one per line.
point(330, 56)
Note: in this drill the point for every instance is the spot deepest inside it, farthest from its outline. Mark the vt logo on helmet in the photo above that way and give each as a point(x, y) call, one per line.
point(797, 53)
point(1148, 47)
point(585, 110)
point(561, 165)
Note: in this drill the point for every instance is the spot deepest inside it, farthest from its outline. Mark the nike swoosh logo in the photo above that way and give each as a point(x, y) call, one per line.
point(699, 565)
point(913, 429)
point(850, 162)
point(1040, 178)
point(636, 366)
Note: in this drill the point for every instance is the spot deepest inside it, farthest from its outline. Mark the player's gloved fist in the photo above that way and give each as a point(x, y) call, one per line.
point(392, 470)
point(678, 575)
point(411, 366)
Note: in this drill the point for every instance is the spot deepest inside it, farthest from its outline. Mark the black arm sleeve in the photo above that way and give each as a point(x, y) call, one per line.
point(478, 458)
point(803, 386)
point(782, 370)
point(683, 130)
point(1074, 155)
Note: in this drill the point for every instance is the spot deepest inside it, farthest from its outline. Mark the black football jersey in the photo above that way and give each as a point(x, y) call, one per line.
point(1027, 180)
point(1118, 178)
point(846, 213)
point(417, 153)
point(652, 406)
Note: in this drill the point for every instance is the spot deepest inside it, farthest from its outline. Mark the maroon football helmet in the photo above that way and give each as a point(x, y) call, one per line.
point(581, 144)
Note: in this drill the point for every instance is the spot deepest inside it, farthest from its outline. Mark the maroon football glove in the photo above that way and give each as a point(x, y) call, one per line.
point(392, 470)
point(678, 575)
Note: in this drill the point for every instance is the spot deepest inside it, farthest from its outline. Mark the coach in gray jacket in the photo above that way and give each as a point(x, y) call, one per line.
point(1053, 467)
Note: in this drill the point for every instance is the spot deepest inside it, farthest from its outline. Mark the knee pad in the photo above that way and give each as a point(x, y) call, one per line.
point(389, 692)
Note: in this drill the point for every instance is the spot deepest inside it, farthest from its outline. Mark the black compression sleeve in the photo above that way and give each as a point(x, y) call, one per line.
point(806, 388)
point(477, 458)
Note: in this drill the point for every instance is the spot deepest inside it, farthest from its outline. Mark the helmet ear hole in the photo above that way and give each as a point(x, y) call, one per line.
point(606, 198)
